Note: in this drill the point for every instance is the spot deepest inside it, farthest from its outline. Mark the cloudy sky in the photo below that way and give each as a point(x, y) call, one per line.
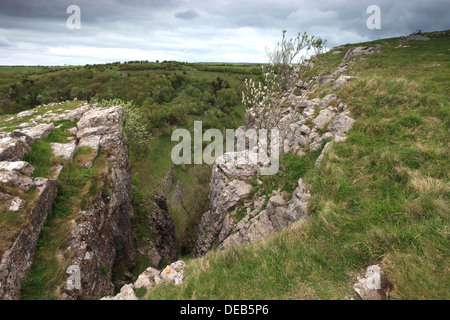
point(35, 32)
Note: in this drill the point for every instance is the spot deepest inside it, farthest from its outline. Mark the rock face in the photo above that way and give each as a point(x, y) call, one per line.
point(278, 214)
point(16, 261)
point(102, 238)
point(225, 224)
point(238, 214)
point(226, 189)
point(163, 227)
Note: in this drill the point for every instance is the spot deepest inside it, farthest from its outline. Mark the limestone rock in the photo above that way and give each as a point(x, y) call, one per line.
point(64, 150)
point(325, 102)
point(126, 293)
point(18, 166)
point(369, 286)
point(324, 117)
point(174, 272)
point(224, 193)
point(147, 278)
point(16, 261)
point(38, 132)
point(26, 113)
point(415, 36)
point(354, 52)
point(73, 130)
point(340, 82)
point(322, 154)
point(162, 225)
point(102, 235)
point(16, 179)
point(341, 124)
point(297, 207)
point(17, 204)
point(14, 145)
point(277, 215)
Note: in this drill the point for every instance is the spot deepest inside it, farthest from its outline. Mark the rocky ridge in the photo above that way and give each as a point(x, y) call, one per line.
point(101, 237)
point(151, 277)
point(321, 121)
point(15, 174)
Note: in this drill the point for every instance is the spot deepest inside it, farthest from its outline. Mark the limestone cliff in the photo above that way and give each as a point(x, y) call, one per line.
point(101, 238)
point(16, 182)
point(238, 213)
point(16, 261)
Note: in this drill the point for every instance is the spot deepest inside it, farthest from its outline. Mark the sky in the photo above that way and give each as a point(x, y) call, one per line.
point(36, 32)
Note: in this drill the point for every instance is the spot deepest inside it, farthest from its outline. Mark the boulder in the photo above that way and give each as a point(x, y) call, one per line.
point(39, 132)
point(14, 145)
point(341, 124)
point(325, 102)
point(147, 278)
point(324, 117)
point(18, 166)
point(369, 285)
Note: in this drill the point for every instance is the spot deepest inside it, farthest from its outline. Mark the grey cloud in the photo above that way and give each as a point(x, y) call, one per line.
point(216, 28)
point(187, 15)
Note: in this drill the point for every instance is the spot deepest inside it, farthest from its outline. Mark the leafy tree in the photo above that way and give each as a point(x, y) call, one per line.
point(266, 108)
point(134, 128)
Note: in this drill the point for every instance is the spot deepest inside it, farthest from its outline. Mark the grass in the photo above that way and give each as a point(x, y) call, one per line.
point(12, 223)
point(77, 186)
point(380, 197)
point(43, 161)
point(55, 109)
point(41, 156)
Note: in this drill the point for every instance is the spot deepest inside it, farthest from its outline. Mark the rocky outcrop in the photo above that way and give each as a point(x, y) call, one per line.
point(16, 261)
point(349, 58)
point(355, 52)
point(101, 238)
point(238, 213)
point(226, 189)
point(14, 145)
point(39, 131)
point(278, 214)
point(151, 277)
point(415, 36)
point(16, 175)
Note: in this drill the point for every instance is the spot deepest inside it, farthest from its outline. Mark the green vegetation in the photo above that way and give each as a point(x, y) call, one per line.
point(380, 197)
point(75, 188)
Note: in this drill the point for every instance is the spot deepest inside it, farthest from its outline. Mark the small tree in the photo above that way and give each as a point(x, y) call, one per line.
point(135, 130)
point(264, 101)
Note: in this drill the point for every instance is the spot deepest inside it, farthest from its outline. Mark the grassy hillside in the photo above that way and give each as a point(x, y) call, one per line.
point(380, 197)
